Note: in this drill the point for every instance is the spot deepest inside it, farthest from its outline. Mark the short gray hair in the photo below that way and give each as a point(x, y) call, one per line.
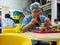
point(35, 5)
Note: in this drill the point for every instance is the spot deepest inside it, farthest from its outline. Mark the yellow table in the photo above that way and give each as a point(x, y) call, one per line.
point(46, 36)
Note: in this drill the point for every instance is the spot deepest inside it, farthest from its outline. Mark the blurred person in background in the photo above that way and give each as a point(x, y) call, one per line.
point(57, 21)
point(58, 18)
point(7, 21)
point(21, 16)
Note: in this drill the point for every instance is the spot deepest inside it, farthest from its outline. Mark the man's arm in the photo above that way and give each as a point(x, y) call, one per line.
point(27, 26)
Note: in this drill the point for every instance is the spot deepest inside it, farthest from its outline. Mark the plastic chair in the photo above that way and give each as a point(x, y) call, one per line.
point(17, 27)
point(58, 42)
point(14, 39)
point(8, 29)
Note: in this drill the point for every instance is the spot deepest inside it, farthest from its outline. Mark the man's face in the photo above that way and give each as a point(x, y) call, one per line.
point(35, 12)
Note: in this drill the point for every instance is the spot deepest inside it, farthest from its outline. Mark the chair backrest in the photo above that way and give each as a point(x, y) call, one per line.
point(17, 27)
point(14, 39)
point(8, 29)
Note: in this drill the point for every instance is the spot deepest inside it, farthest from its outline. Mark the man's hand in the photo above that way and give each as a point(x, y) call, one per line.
point(47, 21)
point(34, 20)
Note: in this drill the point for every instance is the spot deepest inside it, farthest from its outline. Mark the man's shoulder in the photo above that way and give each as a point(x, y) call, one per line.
point(43, 16)
point(28, 16)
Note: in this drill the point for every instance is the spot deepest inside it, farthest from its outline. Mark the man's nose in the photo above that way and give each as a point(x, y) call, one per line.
point(37, 13)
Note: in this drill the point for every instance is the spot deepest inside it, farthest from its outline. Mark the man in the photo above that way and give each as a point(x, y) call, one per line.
point(30, 22)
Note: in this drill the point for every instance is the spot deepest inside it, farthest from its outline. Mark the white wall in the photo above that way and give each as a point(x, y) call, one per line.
point(15, 4)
